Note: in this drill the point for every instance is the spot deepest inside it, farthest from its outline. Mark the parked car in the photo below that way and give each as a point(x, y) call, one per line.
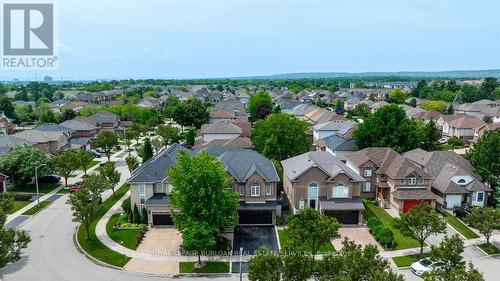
point(96, 153)
point(462, 211)
point(100, 150)
point(443, 140)
point(75, 187)
point(425, 265)
point(50, 178)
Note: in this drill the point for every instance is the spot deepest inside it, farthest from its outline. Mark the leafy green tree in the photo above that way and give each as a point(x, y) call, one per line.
point(488, 87)
point(484, 157)
point(83, 208)
point(413, 102)
point(136, 130)
point(7, 107)
point(21, 161)
point(95, 184)
point(434, 105)
point(132, 162)
point(147, 150)
point(168, 133)
point(190, 136)
point(397, 96)
point(290, 133)
point(83, 159)
point(107, 141)
point(297, 266)
point(455, 274)
point(200, 192)
point(388, 127)
point(157, 144)
point(170, 105)
point(488, 119)
point(339, 106)
point(198, 237)
point(47, 116)
point(309, 230)
point(12, 241)
point(112, 176)
point(191, 113)
point(259, 106)
point(484, 219)
point(354, 262)
point(449, 251)
point(450, 110)
point(265, 266)
point(64, 164)
point(420, 222)
point(68, 114)
point(430, 136)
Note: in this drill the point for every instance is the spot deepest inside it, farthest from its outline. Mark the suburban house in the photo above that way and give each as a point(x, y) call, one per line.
point(105, 121)
point(321, 116)
point(74, 141)
point(6, 125)
point(319, 180)
point(220, 130)
point(453, 178)
point(427, 116)
point(337, 144)
point(8, 142)
point(229, 110)
point(396, 182)
point(324, 130)
point(253, 178)
point(375, 106)
point(351, 103)
point(481, 108)
point(81, 127)
point(462, 126)
point(49, 142)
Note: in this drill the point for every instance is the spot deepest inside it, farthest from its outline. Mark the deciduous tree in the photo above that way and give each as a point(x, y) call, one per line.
point(83, 208)
point(259, 106)
point(484, 219)
point(455, 274)
point(265, 266)
point(112, 176)
point(64, 164)
point(198, 237)
point(83, 159)
point(107, 141)
point(21, 161)
point(12, 241)
point(449, 251)
point(132, 162)
point(168, 133)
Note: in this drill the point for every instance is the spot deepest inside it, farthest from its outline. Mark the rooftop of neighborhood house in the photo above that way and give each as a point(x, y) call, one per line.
point(336, 125)
point(332, 166)
point(339, 143)
point(221, 127)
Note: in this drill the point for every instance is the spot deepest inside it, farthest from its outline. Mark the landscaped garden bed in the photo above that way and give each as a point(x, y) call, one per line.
point(490, 249)
point(283, 239)
point(400, 241)
point(210, 267)
point(122, 232)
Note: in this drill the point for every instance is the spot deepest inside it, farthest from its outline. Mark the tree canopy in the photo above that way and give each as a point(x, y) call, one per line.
point(21, 161)
point(107, 141)
point(12, 241)
point(260, 105)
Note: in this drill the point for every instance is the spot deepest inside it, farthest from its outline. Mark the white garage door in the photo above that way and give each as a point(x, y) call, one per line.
point(453, 200)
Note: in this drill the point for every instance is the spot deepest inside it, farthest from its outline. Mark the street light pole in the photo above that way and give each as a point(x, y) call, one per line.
point(241, 260)
point(36, 183)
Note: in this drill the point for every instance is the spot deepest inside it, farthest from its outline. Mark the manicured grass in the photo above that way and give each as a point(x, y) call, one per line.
point(283, 237)
point(37, 208)
point(93, 246)
point(18, 205)
point(400, 241)
point(124, 237)
point(459, 226)
point(93, 163)
point(43, 187)
point(405, 261)
point(210, 267)
point(490, 249)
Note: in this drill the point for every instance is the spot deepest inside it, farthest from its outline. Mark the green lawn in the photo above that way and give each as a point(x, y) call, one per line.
point(43, 187)
point(210, 267)
point(490, 249)
point(405, 261)
point(93, 163)
point(283, 237)
point(459, 226)
point(37, 208)
point(18, 205)
point(400, 241)
point(124, 237)
point(93, 246)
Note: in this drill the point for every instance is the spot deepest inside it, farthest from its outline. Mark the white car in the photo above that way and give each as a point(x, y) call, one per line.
point(425, 265)
point(443, 140)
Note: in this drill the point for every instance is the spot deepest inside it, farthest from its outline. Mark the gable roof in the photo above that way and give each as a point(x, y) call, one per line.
point(339, 143)
point(334, 125)
point(221, 127)
point(332, 166)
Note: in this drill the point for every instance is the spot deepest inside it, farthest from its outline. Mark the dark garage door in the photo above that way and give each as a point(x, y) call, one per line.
point(255, 217)
point(344, 217)
point(162, 219)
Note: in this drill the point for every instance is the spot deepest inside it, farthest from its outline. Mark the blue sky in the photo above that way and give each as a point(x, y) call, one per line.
point(196, 39)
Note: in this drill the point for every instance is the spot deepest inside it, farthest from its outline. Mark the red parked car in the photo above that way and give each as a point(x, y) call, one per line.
point(74, 187)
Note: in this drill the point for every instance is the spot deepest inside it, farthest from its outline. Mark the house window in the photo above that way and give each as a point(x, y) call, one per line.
point(340, 191)
point(229, 188)
point(367, 186)
point(301, 204)
point(242, 190)
point(412, 180)
point(159, 188)
point(461, 181)
point(142, 196)
point(268, 189)
point(479, 196)
point(255, 192)
point(402, 181)
point(367, 172)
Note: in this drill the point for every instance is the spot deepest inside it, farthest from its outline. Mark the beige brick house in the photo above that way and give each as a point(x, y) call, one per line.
point(319, 180)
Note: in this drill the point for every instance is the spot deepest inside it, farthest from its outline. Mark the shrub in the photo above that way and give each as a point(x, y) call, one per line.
point(18, 196)
point(385, 237)
point(141, 234)
point(136, 218)
point(376, 230)
point(126, 205)
point(373, 222)
point(144, 216)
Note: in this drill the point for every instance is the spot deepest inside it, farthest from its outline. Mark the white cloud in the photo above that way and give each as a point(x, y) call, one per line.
point(161, 54)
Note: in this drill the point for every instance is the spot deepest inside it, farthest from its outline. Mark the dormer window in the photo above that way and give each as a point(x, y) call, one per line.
point(411, 180)
point(461, 181)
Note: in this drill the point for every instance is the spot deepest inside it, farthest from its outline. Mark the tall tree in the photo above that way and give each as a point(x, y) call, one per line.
point(310, 229)
point(95, 184)
point(83, 159)
point(397, 96)
point(136, 130)
point(488, 87)
point(109, 172)
point(132, 162)
point(339, 106)
point(83, 209)
point(484, 157)
point(388, 127)
point(259, 106)
point(190, 136)
point(449, 251)
point(7, 107)
point(64, 164)
point(170, 106)
point(484, 219)
point(157, 144)
point(265, 266)
point(420, 223)
point(168, 133)
point(455, 274)
point(147, 150)
point(107, 141)
point(290, 133)
point(200, 192)
point(430, 136)
point(191, 113)
point(198, 237)
point(12, 241)
point(68, 114)
point(21, 161)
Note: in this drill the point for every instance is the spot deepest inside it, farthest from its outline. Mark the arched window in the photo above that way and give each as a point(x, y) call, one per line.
point(312, 195)
point(462, 181)
point(255, 189)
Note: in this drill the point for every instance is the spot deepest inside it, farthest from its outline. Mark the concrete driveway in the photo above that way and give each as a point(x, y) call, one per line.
point(359, 234)
point(161, 241)
point(251, 238)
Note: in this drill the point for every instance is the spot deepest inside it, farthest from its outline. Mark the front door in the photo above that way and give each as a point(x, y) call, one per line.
point(312, 196)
